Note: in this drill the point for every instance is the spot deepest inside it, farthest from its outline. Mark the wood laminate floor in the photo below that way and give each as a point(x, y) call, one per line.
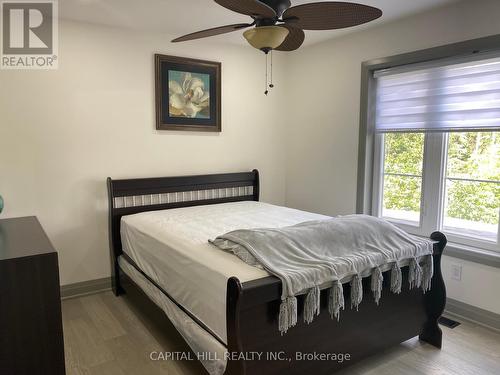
point(106, 335)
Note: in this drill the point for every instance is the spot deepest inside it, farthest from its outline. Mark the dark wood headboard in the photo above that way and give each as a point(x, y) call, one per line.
point(128, 197)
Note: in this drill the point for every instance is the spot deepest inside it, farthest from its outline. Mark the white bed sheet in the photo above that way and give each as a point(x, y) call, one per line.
point(171, 247)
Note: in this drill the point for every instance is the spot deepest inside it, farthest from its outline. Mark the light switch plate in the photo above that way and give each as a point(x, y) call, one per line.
point(456, 272)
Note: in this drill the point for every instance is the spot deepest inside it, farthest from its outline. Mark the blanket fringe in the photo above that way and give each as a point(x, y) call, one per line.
point(288, 314)
point(415, 274)
point(336, 300)
point(376, 284)
point(419, 276)
point(356, 291)
point(427, 273)
point(312, 304)
point(396, 278)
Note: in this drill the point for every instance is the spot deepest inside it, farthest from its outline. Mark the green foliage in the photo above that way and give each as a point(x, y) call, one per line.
point(470, 156)
point(475, 201)
point(402, 193)
point(403, 155)
point(474, 156)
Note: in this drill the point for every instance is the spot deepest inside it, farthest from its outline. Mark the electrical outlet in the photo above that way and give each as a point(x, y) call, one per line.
point(456, 272)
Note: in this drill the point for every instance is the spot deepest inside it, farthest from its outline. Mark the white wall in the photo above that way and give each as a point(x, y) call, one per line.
point(322, 125)
point(63, 132)
point(478, 286)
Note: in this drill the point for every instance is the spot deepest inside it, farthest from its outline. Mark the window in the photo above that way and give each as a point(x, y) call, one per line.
point(402, 176)
point(472, 184)
point(437, 149)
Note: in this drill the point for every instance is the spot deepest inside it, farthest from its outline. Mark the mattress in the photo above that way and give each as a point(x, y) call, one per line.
point(171, 247)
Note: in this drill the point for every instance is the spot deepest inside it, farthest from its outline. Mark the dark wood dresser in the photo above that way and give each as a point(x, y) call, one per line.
point(31, 336)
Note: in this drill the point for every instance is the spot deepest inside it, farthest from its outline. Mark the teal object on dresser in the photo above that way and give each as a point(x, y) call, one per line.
point(1, 204)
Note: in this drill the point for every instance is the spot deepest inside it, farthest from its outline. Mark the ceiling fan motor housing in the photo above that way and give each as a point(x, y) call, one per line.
point(279, 6)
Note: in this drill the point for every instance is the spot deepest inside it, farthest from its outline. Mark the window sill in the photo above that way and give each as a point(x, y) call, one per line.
point(472, 254)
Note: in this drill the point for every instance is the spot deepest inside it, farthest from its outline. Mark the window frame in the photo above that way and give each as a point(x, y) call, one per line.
point(369, 150)
point(432, 202)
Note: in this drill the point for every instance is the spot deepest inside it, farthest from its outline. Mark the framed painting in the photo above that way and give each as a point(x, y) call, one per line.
point(188, 94)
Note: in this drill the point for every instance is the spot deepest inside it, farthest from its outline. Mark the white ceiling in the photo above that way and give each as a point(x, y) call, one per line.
point(179, 17)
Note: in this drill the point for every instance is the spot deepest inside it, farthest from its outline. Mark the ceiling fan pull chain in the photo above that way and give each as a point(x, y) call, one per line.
point(267, 91)
point(271, 85)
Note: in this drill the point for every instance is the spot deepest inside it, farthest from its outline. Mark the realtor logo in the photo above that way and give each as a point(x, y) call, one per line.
point(29, 34)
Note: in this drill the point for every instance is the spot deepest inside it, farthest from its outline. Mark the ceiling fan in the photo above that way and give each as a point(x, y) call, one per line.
point(279, 26)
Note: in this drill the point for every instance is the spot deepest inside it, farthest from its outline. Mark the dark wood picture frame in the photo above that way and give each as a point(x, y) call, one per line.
point(164, 64)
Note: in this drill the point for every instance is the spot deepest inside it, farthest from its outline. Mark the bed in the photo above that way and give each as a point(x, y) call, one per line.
point(159, 229)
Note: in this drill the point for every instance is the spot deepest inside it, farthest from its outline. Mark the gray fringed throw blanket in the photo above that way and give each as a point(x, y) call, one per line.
point(326, 253)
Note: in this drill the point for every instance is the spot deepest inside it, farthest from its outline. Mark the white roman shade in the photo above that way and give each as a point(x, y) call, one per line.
point(447, 95)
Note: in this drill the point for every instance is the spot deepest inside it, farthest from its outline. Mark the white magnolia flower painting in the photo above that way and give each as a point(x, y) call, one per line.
point(189, 94)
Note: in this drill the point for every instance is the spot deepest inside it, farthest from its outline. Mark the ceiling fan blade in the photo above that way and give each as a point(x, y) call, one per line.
point(331, 15)
point(252, 8)
point(212, 32)
point(294, 39)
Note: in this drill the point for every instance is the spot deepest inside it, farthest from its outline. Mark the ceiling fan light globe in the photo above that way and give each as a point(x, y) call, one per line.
point(266, 37)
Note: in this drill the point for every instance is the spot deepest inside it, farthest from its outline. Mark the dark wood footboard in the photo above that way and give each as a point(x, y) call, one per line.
point(252, 326)
point(435, 299)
